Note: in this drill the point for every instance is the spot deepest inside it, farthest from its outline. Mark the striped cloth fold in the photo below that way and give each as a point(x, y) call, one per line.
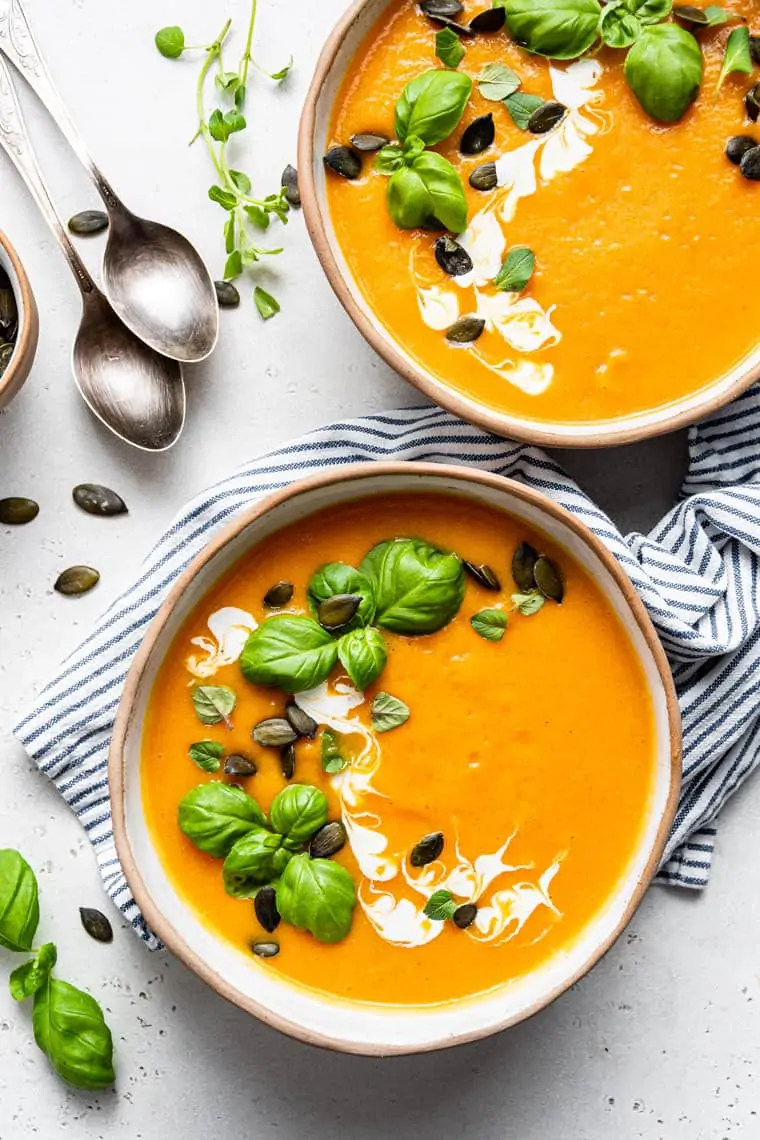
point(697, 573)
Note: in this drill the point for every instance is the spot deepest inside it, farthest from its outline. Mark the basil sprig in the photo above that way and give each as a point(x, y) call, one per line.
point(558, 29)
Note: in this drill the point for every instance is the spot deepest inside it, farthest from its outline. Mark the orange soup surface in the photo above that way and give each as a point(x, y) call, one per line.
point(533, 755)
point(642, 233)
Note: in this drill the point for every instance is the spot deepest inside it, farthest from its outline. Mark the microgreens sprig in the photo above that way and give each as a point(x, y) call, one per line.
point(247, 215)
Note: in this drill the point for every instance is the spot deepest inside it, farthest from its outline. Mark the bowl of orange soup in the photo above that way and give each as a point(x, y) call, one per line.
point(540, 214)
point(397, 758)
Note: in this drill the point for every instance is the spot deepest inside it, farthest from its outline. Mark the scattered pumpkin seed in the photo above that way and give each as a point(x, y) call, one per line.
point(15, 511)
point(523, 567)
point(691, 15)
point(302, 723)
point(227, 296)
point(750, 164)
point(98, 500)
point(96, 924)
point(88, 222)
point(344, 161)
point(464, 915)
point(448, 8)
point(76, 580)
point(478, 136)
point(737, 146)
point(752, 102)
point(289, 181)
point(484, 176)
point(265, 949)
point(452, 257)
point(329, 840)
point(546, 117)
point(8, 311)
point(265, 907)
point(427, 850)
point(369, 142)
point(278, 595)
point(238, 765)
point(274, 732)
point(490, 20)
point(546, 573)
point(483, 575)
point(465, 330)
point(339, 610)
point(288, 761)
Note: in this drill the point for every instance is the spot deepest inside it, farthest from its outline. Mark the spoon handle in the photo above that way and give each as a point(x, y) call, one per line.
point(18, 45)
point(14, 140)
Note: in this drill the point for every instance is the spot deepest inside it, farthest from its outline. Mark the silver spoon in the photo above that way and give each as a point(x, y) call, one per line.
point(152, 275)
point(132, 389)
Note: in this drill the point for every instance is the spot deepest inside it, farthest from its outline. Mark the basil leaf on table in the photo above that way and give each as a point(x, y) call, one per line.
point(207, 754)
point(521, 106)
point(32, 975)
point(664, 71)
point(171, 42)
point(340, 578)
point(363, 654)
point(618, 27)
point(214, 816)
point(267, 305)
point(418, 588)
point(297, 812)
point(497, 82)
point(558, 29)
point(490, 624)
point(649, 11)
point(292, 653)
point(516, 271)
point(431, 105)
point(256, 859)
point(213, 703)
point(70, 1029)
point(333, 759)
point(737, 57)
point(317, 895)
point(388, 712)
point(449, 48)
point(19, 904)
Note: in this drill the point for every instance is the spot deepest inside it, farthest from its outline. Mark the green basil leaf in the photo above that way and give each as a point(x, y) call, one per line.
point(619, 28)
point(229, 234)
point(521, 106)
point(449, 48)
point(737, 57)
point(664, 71)
point(363, 654)
point(207, 754)
point(490, 624)
point(240, 181)
point(340, 578)
point(32, 975)
point(256, 859)
point(267, 305)
point(440, 905)
point(297, 812)
point(716, 16)
point(332, 759)
point(213, 703)
point(516, 271)
point(409, 203)
point(445, 188)
point(388, 712)
point(432, 105)
point(214, 816)
point(649, 11)
point(292, 653)
point(413, 147)
point(19, 905)
point(528, 604)
point(558, 29)
point(497, 82)
point(225, 198)
point(171, 42)
point(234, 265)
point(257, 215)
point(418, 588)
point(70, 1029)
point(317, 895)
point(389, 159)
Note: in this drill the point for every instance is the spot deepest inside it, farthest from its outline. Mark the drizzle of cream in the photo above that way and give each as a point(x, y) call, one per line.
point(230, 628)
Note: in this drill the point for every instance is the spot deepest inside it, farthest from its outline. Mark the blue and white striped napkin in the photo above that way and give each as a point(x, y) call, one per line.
point(698, 573)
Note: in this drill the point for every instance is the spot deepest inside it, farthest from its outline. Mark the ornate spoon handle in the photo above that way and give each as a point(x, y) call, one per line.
point(18, 45)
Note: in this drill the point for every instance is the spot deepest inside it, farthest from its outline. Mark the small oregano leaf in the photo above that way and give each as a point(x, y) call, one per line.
point(516, 271)
point(440, 905)
point(489, 624)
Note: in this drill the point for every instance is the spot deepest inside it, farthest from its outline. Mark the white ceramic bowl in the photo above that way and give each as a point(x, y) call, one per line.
point(321, 1019)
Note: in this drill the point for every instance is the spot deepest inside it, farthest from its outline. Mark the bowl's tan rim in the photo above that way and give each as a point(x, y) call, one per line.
point(499, 423)
point(28, 333)
point(171, 937)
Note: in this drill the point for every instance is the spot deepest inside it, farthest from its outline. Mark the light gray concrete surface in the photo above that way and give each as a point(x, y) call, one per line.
point(661, 1041)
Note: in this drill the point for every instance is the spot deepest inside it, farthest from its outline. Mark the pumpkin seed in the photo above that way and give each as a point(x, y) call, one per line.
point(750, 164)
point(546, 117)
point(523, 567)
point(447, 8)
point(483, 575)
point(76, 580)
point(329, 840)
point(344, 161)
point(265, 907)
point(369, 142)
point(96, 924)
point(452, 257)
point(288, 761)
point(546, 573)
point(15, 511)
point(752, 102)
point(6, 355)
point(465, 330)
point(339, 610)
point(491, 20)
point(427, 850)
point(737, 146)
point(479, 135)
point(238, 765)
point(446, 22)
point(88, 222)
point(278, 595)
point(227, 296)
point(8, 314)
point(754, 48)
point(98, 500)
point(289, 181)
point(274, 732)
point(302, 723)
point(464, 915)
point(691, 15)
point(484, 177)
point(265, 949)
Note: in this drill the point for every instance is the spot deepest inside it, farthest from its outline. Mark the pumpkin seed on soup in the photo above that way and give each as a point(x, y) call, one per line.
point(691, 15)
point(96, 924)
point(289, 182)
point(452, 257)
point(479, 135)
point(76, 580)
point(343, 160)
point(752, 102)
point(238, 765)
point(329, 840)
point(490, 20)
point(227, 296)
point(265, 949)
point(367, 143)
point(464, 915)
point(427, 850)
point(265, 908)
point(465, 330)
point(274, 732)
point(523, 567)
point(88, 222)
point(737, 146)
point(546, 117)
point(754, 48)
point(484, 177)
point(448, 8)
point(98, 500)
point(288, 761)
point(750, 164)
point(302, 723)
point(339, 610)
point(16, 511)
point(547, 576)
point(278, 595)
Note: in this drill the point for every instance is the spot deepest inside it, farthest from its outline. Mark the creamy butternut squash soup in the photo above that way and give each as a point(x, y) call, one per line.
point(578, 257)
point(391, 774)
